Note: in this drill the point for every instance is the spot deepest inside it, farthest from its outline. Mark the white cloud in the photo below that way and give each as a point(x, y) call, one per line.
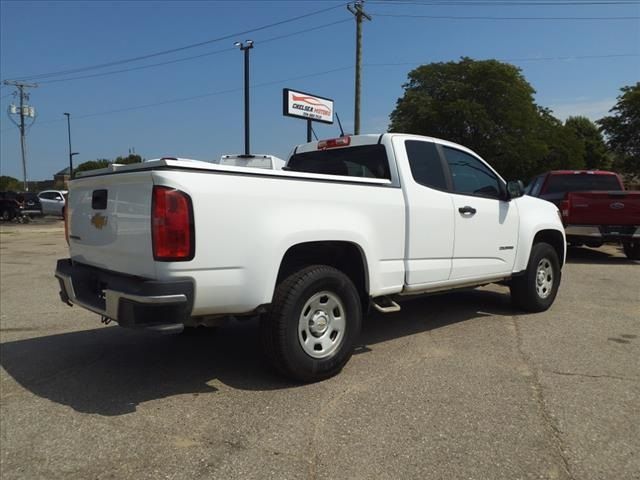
point(593, 110)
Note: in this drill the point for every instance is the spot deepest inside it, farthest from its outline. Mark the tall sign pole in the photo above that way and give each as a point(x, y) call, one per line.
point(24, 111)
point(245, 47)
point(357, 9)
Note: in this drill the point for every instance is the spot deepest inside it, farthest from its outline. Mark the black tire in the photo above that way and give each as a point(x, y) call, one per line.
point(531, 292)
point(632, 249)
point(6, 215)
point(281, 332)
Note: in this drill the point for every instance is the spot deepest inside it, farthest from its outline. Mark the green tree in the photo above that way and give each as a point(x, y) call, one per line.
point(92, 165)
point(622, 130)
point(595, 150)
point(10, 183)
point(563, 148)
point(131, 158)
point(487, 106)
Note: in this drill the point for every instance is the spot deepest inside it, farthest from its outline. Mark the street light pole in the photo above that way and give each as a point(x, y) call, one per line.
point(245, 47)
point(68, 115)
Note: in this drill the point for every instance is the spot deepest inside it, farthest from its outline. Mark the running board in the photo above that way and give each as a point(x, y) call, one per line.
point(385, 305)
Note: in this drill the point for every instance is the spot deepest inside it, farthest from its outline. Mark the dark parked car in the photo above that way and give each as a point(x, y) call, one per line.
point(30, 204)
point(10, 207)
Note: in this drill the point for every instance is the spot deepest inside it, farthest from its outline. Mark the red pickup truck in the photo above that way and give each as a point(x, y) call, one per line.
point(595, 207)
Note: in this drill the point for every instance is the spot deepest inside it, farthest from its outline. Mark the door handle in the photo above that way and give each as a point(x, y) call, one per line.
point(467, 210)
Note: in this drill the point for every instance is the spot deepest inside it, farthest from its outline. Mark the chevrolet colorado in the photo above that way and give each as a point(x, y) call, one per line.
point(348, 223)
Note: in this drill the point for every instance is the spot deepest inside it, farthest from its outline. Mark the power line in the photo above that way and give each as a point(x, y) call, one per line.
point(193, 57)
point(274, 82)
point(178, 49)
point(455, 17)
point(195, 97)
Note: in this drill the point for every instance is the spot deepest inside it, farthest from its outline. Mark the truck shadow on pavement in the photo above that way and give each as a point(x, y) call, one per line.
point(110, 370)
point(590, 256)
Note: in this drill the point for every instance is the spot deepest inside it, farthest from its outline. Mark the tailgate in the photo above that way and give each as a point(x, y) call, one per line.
point(604, 208)
point(110, 222)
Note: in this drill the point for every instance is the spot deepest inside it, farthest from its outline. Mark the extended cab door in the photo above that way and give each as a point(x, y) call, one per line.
point(486, 226)
point(430, 215)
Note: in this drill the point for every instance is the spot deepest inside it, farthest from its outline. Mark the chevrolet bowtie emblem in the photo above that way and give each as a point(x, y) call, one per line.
point(98, 221)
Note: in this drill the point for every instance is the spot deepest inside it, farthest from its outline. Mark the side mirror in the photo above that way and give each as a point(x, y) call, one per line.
point(515, 189)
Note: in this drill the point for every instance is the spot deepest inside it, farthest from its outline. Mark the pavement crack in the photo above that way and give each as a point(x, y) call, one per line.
point(534, 378)
point(575, 374)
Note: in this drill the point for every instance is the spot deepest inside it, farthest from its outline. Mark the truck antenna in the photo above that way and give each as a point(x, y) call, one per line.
point(340, 125)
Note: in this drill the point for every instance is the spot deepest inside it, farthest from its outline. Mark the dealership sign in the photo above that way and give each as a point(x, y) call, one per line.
point(306, 106)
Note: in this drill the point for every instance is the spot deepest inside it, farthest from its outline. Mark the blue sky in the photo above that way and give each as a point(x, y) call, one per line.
point(43, 37)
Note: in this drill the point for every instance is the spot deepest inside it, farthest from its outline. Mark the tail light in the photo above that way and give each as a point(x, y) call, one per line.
point(172, 226)
point(65, 215)
point(334, 143)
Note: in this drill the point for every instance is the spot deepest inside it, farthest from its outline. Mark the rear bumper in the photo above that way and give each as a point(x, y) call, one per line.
point(603, 233)
point(131, 301)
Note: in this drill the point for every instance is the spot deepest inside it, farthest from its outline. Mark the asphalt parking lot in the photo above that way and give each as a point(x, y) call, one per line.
point(458, 386)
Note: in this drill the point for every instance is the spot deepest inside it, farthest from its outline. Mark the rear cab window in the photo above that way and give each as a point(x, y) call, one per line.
point(364, 161)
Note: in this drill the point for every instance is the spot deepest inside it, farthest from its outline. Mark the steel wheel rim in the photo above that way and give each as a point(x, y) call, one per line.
point(322, 324)
point(544, 278)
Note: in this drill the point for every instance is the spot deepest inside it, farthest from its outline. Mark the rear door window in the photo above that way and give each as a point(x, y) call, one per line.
point(365, 161)
point(425, 163)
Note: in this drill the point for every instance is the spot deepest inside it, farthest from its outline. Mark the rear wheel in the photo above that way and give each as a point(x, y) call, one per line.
point(632, 249)
point(536, 289)
point(313, 323)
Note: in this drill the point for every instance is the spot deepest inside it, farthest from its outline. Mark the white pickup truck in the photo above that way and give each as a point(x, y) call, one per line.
point(349, 223)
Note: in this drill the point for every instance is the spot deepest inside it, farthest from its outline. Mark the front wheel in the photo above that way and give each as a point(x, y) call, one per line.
point(632, 249)
point(536, 289)
point(314, 320)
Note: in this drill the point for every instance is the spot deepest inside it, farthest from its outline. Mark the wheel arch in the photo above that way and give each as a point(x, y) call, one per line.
point(346, 256)
point(554, 238)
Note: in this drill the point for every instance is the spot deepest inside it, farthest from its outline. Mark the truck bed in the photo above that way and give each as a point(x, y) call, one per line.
point(232, 262)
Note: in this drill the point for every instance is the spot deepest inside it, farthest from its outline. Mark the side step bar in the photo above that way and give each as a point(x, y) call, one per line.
point(385, 305)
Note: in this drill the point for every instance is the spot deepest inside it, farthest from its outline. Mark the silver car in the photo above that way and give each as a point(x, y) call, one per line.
point(53, 202)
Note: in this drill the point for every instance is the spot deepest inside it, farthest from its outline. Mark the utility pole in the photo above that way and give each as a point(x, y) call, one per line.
point(245, 47)
point(71, 154)
point(23, 110)
point(357, 8)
